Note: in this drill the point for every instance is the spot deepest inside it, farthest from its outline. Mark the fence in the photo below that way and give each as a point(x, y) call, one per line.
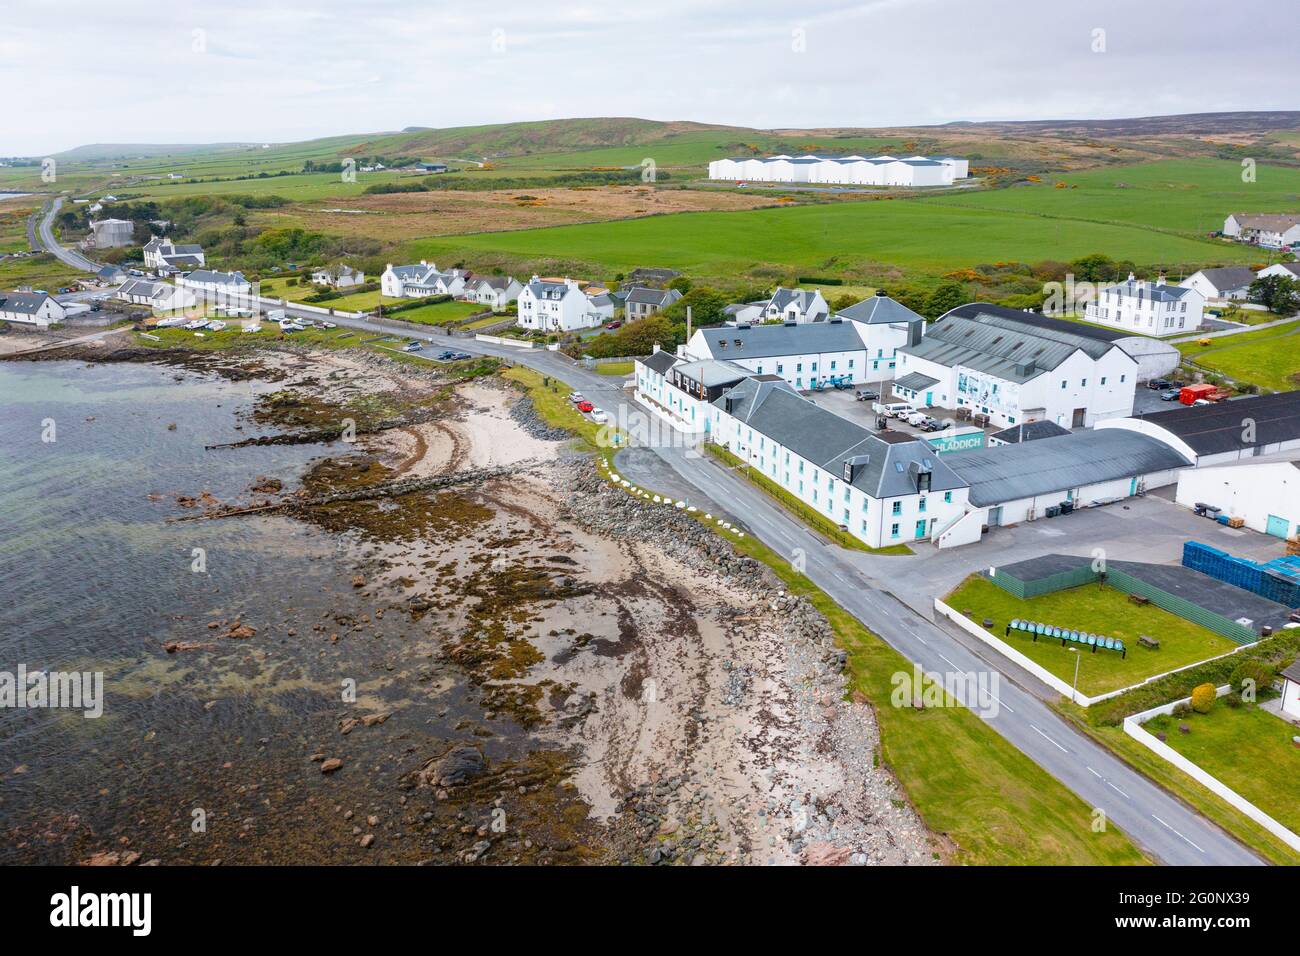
point(1123, 581)
point(1242, 573)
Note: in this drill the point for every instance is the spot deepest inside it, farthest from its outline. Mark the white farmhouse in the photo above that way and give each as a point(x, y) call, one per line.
point(31, 308)
point(1148, 308)
point(160, 253)
point(795, 305)
point(215, 283)
point(1228, 283)
point(1272, 231)
point(421, 280)
point(550, 305)
point(1286, 270)
point(1005, 368)
point(338, 277)
point(496, 292)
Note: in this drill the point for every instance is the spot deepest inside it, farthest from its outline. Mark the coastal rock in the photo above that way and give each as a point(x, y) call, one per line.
point(330, 765)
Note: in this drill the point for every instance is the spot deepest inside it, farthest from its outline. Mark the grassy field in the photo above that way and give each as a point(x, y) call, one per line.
point(1248, 749)
point(615, 369)
point(438, 313)
point(40, 272)
point(1099, 610)
point(924, 237)
point(1189, 196)
point(1270, 358)
point(993, 803)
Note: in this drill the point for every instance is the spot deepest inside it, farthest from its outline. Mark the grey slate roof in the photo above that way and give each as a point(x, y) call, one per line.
point(219, 278)
point(1002, 346)
point(1268, 222)
point(1011, 472)
point(656, 297)
point(1291, 267)
point(660, 361)
point(915, 381)
point(972, 310)
point(1030, 431)
point(26, 303)
point(783, 297)
point(1229, 277)
point(1292, 671)
point(1142, 290)
point(768, 341)
point(711, 372)
point(158, 291)
point(775, 410)
point(880, 310)
point(1211, 429)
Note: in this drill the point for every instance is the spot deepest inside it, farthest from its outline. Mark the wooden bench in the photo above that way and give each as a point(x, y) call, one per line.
point(1149, 642)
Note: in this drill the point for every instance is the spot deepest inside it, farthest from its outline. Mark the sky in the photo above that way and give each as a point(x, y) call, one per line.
point(93, 71)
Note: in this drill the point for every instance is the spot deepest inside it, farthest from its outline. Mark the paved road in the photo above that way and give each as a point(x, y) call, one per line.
point(46, 238)
point(1163, 826)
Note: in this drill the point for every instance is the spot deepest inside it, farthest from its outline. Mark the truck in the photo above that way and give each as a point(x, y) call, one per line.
point(1203, 391)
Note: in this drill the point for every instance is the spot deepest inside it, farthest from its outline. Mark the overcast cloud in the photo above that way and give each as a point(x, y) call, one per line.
point(89, 71)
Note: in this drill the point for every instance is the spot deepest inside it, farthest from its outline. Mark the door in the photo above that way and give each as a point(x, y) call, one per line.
point(995, 516)
point(920, 529)
point(1277, 527)
point(1080, 416)
point(929, 399)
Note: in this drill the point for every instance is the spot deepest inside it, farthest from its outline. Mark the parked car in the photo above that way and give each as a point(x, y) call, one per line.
point(867, 395)
point(445, 355)
point(1169, 395)
point(576, 397)
point(585, 406)
point(932, 425)
point(457, 356)
point(598, 416)
point(915, 418)
point(1159, 384)
point(614, 325)
point(413, 347)
point(893, 409)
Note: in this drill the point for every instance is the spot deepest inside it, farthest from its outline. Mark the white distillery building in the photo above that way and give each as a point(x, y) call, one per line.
point(885, 326)
point(1264, 493)
point(549, 305)
point(31, 308)
point(881, 490)
point(680, 390)
point(1148, 308)
point(420, 280)
point(112, 233)
point(842, 170)
point(1007, 368)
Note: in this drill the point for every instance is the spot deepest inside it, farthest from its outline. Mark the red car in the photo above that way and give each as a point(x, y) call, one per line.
point(585, 406)
point(614, 325)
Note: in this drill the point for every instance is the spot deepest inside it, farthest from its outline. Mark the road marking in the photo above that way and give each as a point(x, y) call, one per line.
point(1049, 740)
point(1117, 790)
point(1093, 772)
point(946, 661)
point(1172, 830)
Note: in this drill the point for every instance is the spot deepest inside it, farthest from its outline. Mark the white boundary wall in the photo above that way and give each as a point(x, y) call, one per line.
point(499, 340)
point(1042, 673)
point(1133, 727)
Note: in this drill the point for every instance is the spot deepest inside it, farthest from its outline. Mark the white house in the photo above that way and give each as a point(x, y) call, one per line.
point(795, 305)
point(494, 291)
point(338, 277)
point(420, 280)
point(641, 301)
point(551, 305)
point(885, 326)
point(31, 308)
point(1291, 690)
point(1287, 270)
point(882, 490)
point(158, 296)
point(999, 365)
point(803, 356)
point(1232, 282)
point(1149, 308)
point(1270, 230)
point(215, 283)
point(160, 253)
point(1264, 493)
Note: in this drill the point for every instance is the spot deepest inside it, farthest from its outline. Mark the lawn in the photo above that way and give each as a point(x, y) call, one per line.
point(356, 302)
point(615, 369)
point(918, 236)
point(969, 784)
point(1270, 358)
point(1248, 749)
point(437, 313)
point(40, 272)
point(1100, 610)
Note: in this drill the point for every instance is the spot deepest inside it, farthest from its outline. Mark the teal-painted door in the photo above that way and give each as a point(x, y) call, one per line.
point(929, 399)
point(1277, 527)
point(920, 528)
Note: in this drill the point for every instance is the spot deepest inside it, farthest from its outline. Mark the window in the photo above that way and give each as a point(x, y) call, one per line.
point(1062, 383)
point(850, 363)
point(1122, 377)
point(798, 366)
point(814, 366)
point(832, 365)
point(1083, 383)
point(921, 506)
point(780, 369)
point(1103, 380)
point(898, 508)
point(893, 531)
point(947, 497)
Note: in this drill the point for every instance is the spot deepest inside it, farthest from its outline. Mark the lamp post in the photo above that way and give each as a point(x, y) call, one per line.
point(1074, 689)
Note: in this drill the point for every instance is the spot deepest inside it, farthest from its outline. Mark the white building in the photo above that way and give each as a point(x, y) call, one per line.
point(494, 291)
point(1291, 690)
point(158, 296)
point(881, 490)
point(551, 305)
point(210, 283)
point(885, 326)
point(160, 253)
point(421, 280)
point(338, 277)
point(1263, 493)
point(642, 301)
point(1148, 308)
point(803, 356)
point(1232, 282)
point(795, 305)
point(842, 170)
point(1287, 270)
point(31, 308)
point(681, 390)
point(1273, 231)
point(1000, 365)
point(111, 233)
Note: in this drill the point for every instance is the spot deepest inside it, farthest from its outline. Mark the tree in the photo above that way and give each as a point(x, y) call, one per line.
point(681, 283)
point(944, 299)
point(1279, 294)
point(1203, 698)
point(706, 307)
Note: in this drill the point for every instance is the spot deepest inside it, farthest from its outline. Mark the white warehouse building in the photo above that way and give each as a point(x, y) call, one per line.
point(996, 364)
point(842, 170)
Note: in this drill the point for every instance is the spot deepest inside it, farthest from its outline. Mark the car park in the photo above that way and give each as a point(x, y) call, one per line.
point(893, 409)
point(412, 347)
point(915, 418)
point(1159, 384)
point(445, 355)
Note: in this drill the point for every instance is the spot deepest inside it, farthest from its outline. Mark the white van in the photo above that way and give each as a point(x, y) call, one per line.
point(893, 409)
